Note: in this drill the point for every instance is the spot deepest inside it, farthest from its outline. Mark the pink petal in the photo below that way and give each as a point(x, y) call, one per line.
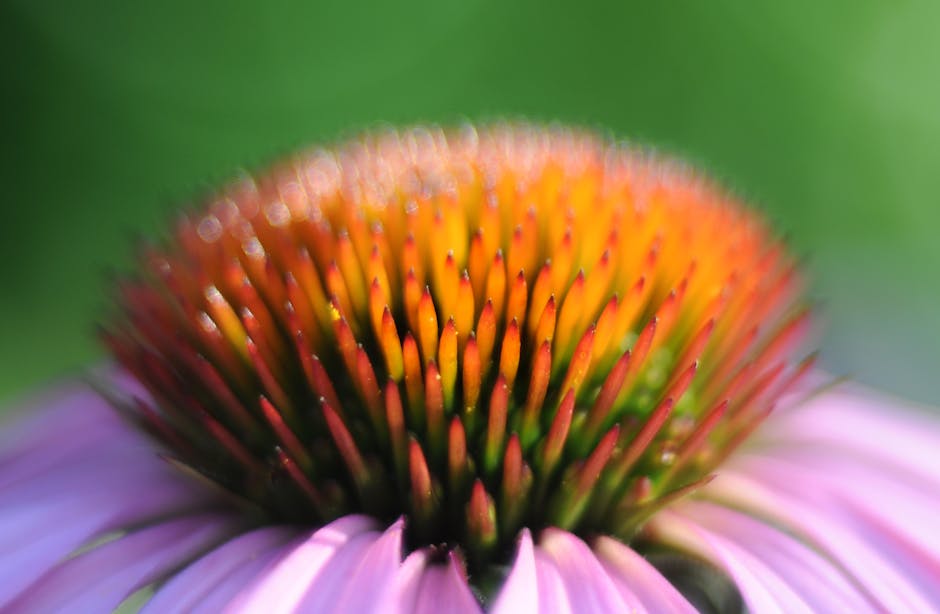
point(376, 570)
point(220, 597)
point(444, 589)
point(401, 595)
point(762, 589)
point(638, 581)
point(857, 477)
point(100, 579)
point(67, 409)
point(845, 485)
point(519, 593)
point(809, 574)
point(36, 537)
point(904, 533)
point(865, 424)
point(332, 580)
point(282, 588)
point(93, 482)
point(55, 444)
point(825, 532)
point(187, 589)
point(63, 427)
point(552, 595)
point(586, 582)
point(66, 417)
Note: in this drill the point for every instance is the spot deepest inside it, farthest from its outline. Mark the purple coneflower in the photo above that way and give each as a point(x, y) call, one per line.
point(513, 370)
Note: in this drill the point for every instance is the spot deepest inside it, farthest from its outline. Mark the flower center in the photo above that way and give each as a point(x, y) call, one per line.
point(478, 331)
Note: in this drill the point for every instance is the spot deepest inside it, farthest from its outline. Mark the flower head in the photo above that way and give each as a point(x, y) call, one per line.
point(526, 352)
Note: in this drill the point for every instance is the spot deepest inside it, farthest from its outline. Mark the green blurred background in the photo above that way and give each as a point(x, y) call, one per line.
point(827, 117)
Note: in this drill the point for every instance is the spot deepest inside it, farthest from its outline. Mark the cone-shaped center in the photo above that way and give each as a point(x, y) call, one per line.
point(478, 330)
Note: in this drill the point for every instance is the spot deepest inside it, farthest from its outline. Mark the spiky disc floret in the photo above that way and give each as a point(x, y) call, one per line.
point(478, 330)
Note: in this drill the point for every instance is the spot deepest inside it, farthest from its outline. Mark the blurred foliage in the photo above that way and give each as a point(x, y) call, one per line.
point(826, 115)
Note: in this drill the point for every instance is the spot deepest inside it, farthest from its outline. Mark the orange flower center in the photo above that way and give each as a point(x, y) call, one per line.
point(479, 330)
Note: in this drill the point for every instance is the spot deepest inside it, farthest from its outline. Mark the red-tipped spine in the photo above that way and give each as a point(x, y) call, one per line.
point(496, 426)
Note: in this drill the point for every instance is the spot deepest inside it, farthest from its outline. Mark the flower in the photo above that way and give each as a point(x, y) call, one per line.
point(515, 370)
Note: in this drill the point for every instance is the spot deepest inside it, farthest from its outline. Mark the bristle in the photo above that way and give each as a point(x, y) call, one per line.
point(571, 502)
point(539, 296)
point(496, 286)
point(481, 331)
point(545, 329)
point(269, 383)
point(424, 499)
point(696, 439)
point(496, 426)
point(395, 417)
point(447, 359)
point(580, 362)
point(512, 471)
point(285, 435)
point(458, 469)
point(555, 440)
point(573, 305)
point(472, 376)
point(509, 353)
point(346, 446)
point(303, 483)
point(481, 521)
point(641, 441)
point(486, 334)
point(391, 347)
point(464, 312)
point(598, 415)
point(369, 393)
point(427, 327)
point(434, 413)
point(518, 295)
point(535, 397)
point(414, 383)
